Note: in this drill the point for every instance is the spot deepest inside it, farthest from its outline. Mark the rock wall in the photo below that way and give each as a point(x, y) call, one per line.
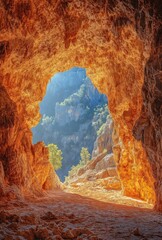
point(100, 171)
point(104, 140)
point(148, 128)
point(115, 41)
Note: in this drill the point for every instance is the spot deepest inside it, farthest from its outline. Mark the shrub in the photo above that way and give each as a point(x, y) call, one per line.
point(55, 156)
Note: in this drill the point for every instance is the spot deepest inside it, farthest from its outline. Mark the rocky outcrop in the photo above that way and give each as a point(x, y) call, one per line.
point(101, 171)
point(24, 166)
point(104, 140)
point(43, 171)
point(119, 44)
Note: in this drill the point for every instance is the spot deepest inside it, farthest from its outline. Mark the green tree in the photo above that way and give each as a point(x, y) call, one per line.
point(55, 156)
point(85, 156)
point(101, 129)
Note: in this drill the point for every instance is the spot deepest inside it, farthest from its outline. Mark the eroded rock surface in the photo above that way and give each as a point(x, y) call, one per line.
point(115, 41)
point(104, 140)
point(70, 216)
point(101, 171)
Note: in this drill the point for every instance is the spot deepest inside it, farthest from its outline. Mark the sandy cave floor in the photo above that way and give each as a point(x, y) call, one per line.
point(66, 215)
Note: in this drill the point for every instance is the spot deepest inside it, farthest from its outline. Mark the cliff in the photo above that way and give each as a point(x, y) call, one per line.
point(104, 140)
point(73, 110)
point(101, 171)
point(119, 43)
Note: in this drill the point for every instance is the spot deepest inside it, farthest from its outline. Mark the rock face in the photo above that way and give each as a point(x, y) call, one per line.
point(104, 140)
point(118, 42)
point(101, 171)
point(148, 127)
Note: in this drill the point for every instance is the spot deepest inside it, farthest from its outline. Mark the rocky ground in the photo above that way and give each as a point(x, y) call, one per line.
point(64, 215)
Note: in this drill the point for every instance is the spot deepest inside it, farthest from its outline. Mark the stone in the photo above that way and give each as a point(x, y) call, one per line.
point(26, 219)
point(49, 216)
point(68, 234)
point(136, 232)
point(93, 238)
point(3, 216)
point(8, 237)
point(27, 234)
point(41, 233)
point(13, 226)
point(57, 237)
point(13, 218)
point(56, 230)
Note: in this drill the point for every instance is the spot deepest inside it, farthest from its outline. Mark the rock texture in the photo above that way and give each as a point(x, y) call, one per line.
point(101, 171)
point(61, 216)
point(119, 44)
point(104, 140)
point(148, 127)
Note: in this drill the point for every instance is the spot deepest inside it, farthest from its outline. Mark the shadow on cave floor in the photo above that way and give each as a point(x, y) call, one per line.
point(108, 196)
point(62, 215)
point(99, 199)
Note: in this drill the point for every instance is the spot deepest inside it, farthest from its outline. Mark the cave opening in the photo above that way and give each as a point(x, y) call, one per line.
point(119, 44)
point(76, 122)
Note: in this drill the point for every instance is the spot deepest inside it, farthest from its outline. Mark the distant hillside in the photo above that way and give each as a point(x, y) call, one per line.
point(100, 172)
point(73, 111)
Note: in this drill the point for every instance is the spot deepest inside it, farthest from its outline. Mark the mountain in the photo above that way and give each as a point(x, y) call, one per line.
point(72, 112)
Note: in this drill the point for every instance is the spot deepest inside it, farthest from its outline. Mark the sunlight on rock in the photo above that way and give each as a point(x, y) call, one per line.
point(119, 45)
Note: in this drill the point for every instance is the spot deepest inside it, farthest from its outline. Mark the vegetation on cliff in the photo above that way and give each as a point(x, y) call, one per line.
point(101, 165)
point(73, 111)
point(55, 156)
point(85, 156)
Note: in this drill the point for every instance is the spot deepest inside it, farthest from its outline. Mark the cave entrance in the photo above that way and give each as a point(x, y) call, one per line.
point(76, 127)
point(75, 119)
point(110, 39)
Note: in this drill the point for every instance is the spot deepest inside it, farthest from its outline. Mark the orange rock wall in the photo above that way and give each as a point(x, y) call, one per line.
point(113, 40)
point(148, 127)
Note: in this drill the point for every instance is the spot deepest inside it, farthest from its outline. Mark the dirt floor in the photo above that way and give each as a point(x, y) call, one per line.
point(66, 215)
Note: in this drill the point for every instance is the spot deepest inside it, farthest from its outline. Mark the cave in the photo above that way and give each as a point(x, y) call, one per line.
point(119, 43)
point(34, 55)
